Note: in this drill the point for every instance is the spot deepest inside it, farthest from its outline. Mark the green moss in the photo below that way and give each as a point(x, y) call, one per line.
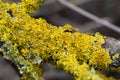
point(31, 42)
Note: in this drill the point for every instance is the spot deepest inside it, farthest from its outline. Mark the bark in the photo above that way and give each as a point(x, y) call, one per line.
point(113, 47)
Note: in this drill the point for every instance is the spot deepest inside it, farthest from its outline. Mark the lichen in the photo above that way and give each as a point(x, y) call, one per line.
point(105, 77)
point(31, 42)
point(115, 56)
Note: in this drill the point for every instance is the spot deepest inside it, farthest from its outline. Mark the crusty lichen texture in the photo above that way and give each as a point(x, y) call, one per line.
point(32, 42)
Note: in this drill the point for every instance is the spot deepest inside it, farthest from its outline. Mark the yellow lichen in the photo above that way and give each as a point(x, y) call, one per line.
point(115, 56)
point(105, 77)
point(100, 59)
point(31, 42)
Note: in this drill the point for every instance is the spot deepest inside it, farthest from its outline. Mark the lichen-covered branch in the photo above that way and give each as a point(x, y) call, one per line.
point(112, 46)
point(29, 43)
